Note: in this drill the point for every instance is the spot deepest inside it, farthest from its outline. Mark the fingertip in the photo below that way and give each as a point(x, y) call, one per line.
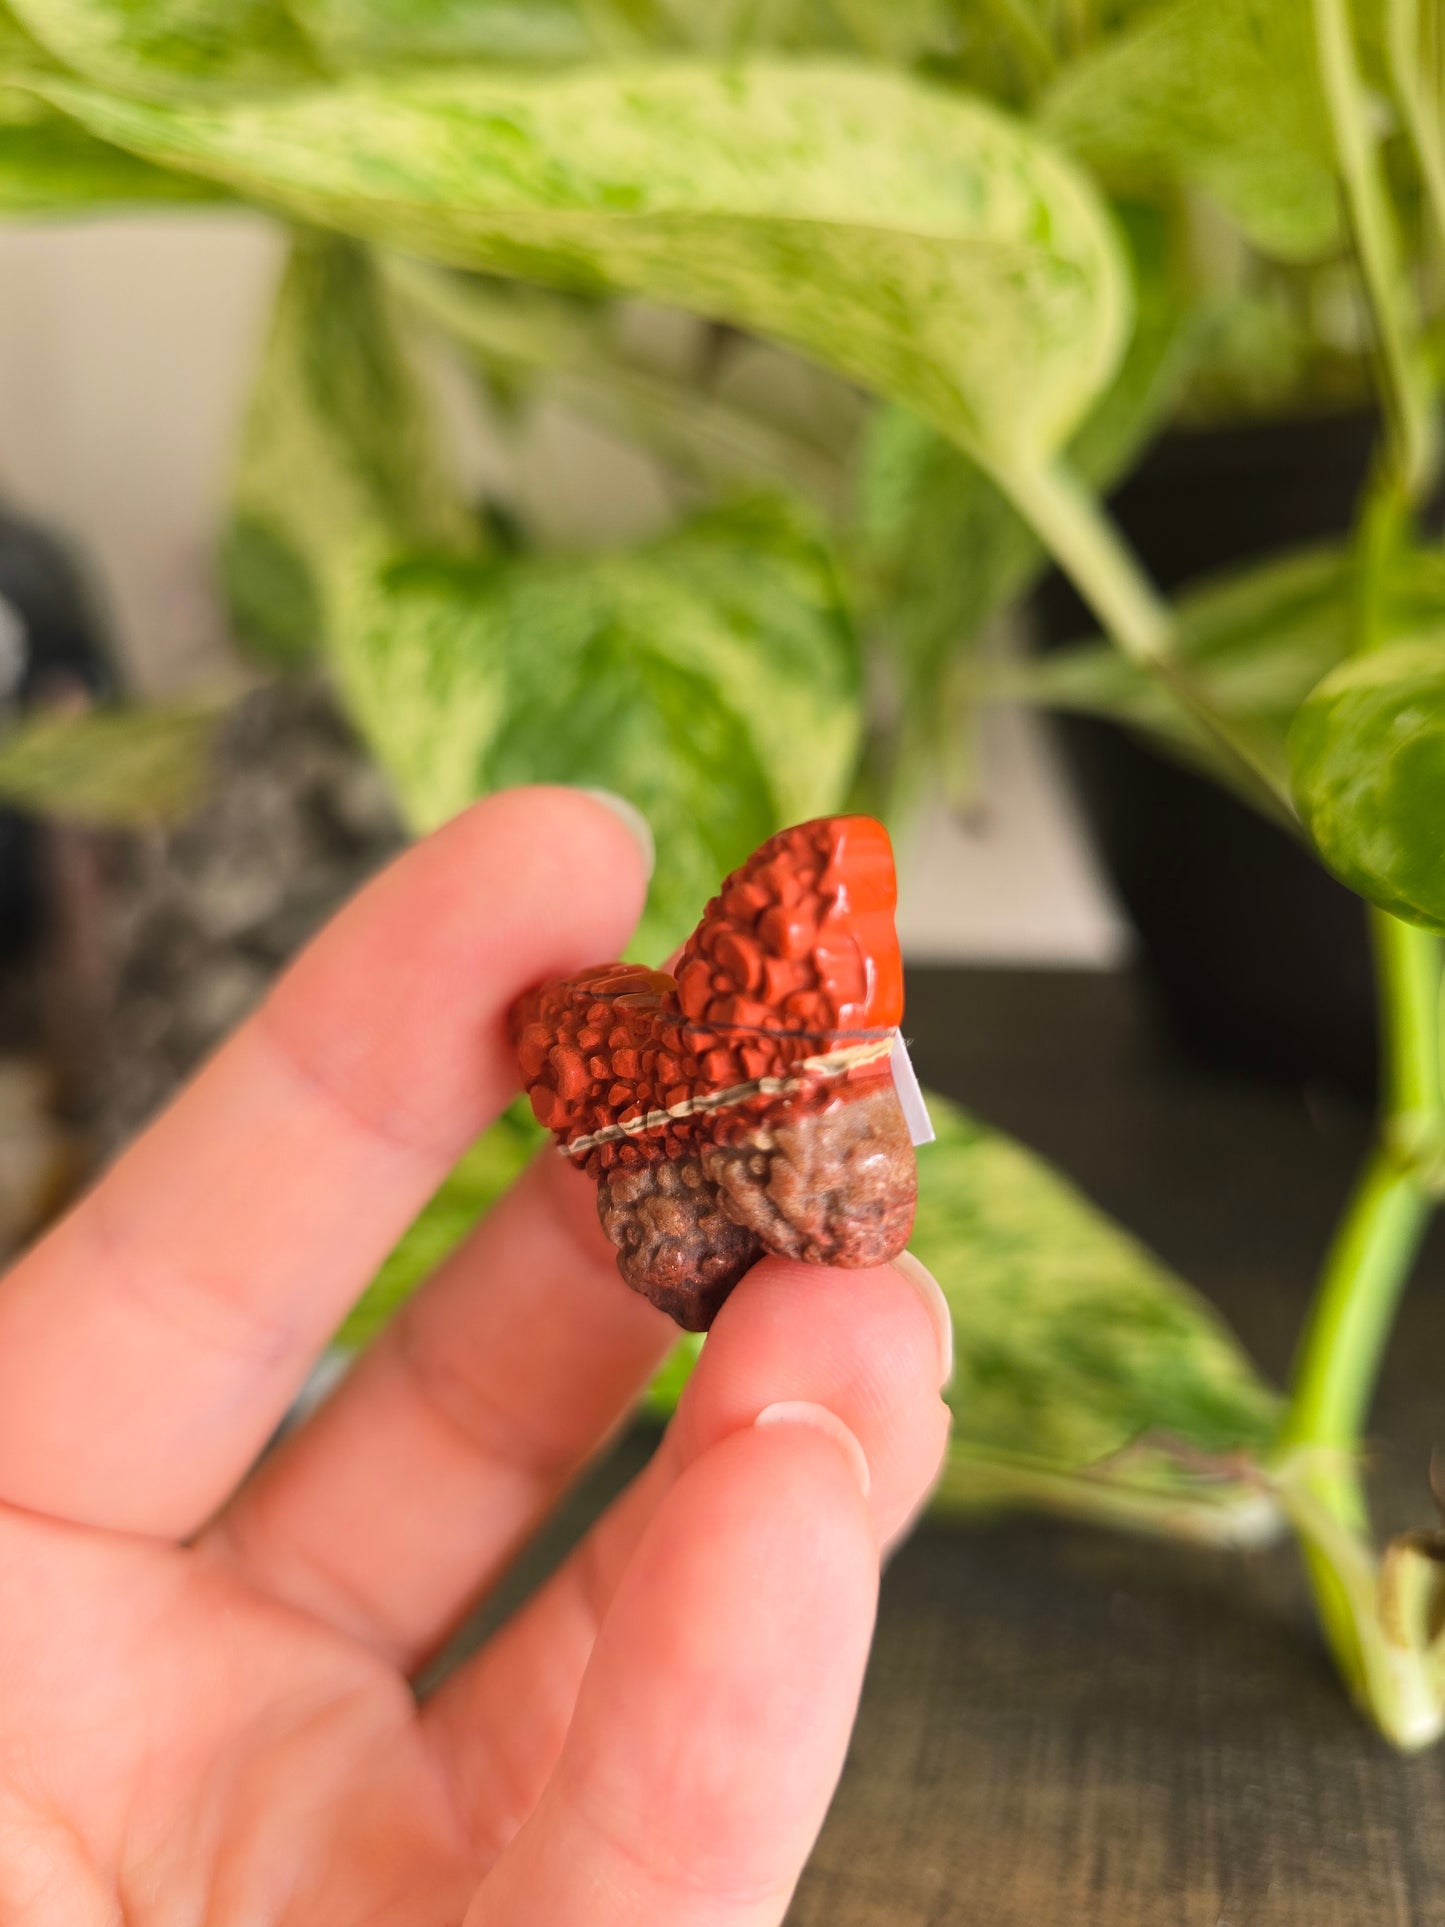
point(935, 1304)
point(634, 821)
point(864, 1346)
point(602, 836)
point(817, 1418)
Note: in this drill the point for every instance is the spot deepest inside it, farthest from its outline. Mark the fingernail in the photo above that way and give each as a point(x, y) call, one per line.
point(931, 1292)
point(799, 1411)
point(634, 819)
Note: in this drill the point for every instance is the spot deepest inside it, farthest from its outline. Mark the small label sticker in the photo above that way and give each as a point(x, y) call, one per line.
point(910, 1096)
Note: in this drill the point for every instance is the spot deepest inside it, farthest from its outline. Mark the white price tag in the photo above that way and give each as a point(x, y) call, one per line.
point(910, 1096)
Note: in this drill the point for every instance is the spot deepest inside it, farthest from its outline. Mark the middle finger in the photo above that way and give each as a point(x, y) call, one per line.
point(396, 1504)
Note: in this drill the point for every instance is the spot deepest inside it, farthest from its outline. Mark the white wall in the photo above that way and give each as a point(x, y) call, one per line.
point(124, 353)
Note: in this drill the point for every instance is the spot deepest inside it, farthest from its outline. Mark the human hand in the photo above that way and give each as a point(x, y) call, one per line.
point(205, 1708)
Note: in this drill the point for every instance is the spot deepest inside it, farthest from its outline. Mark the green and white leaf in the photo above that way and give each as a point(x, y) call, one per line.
point(1088, 1379)
point(172, 47)
point(112, 769)
point(339, 451)
point(49, 166)
point(469, 1189)
point(926, 246)
point(711, 678)
point(1222, 93)
point(1088, 1376)
point(1367, 768)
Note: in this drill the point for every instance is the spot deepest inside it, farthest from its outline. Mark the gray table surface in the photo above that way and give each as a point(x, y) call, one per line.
point(1065, 1726)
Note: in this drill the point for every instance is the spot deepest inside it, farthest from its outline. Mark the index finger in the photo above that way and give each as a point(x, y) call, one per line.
point(150, 1344)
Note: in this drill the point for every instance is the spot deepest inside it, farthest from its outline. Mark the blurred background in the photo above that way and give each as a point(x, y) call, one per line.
point(126, 354)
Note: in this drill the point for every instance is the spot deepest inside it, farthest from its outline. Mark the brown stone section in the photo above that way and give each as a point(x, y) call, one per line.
point(674, 1243)
point(833, 1187)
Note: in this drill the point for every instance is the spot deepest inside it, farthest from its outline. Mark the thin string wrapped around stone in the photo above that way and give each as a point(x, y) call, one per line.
point(745, 1104)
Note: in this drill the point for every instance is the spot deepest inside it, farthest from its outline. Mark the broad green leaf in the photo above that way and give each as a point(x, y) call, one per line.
point(469, 1190)
point(711, 678)
point(939, 548)
point(1073, 1344)
point(1256, 643)
point(1367, 766)
point(1223, 93)
point(115, 769)
point(338, 449)
point(171, 46)
point(924, 245)
point(50, 166)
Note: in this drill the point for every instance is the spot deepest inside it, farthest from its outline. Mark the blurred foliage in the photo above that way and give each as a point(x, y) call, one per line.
point(1367, 761)
point(923, 245)
point(111, 768)
point(941, 548)
point(1225, 93)
point(685, 674)
point(1073, 1343)
point(49, 166)
point(171, 46)
point(1258, 641)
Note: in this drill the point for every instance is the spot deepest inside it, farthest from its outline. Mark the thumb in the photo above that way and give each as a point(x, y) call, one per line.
point(714, 1716)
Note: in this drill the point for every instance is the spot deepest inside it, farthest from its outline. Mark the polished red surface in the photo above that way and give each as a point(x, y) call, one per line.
point(796, 955)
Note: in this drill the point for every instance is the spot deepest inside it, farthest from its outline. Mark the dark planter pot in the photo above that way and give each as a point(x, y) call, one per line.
point(53, 650)
point(1259, 959)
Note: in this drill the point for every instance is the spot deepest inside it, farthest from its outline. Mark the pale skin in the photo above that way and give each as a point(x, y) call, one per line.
point(206, 1714)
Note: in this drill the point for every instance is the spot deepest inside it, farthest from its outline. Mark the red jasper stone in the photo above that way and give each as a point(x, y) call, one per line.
point(795, 959)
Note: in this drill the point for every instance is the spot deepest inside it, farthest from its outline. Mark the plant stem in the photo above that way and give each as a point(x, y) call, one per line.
point(1406, 391)
point(1420, 112)
point(1409, 967)
point(1339, 1357)
point(1382, 532)
point(1374, 1248)
point(1085, 544)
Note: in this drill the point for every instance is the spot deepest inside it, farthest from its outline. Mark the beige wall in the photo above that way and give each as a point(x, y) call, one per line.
point(124, 352)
